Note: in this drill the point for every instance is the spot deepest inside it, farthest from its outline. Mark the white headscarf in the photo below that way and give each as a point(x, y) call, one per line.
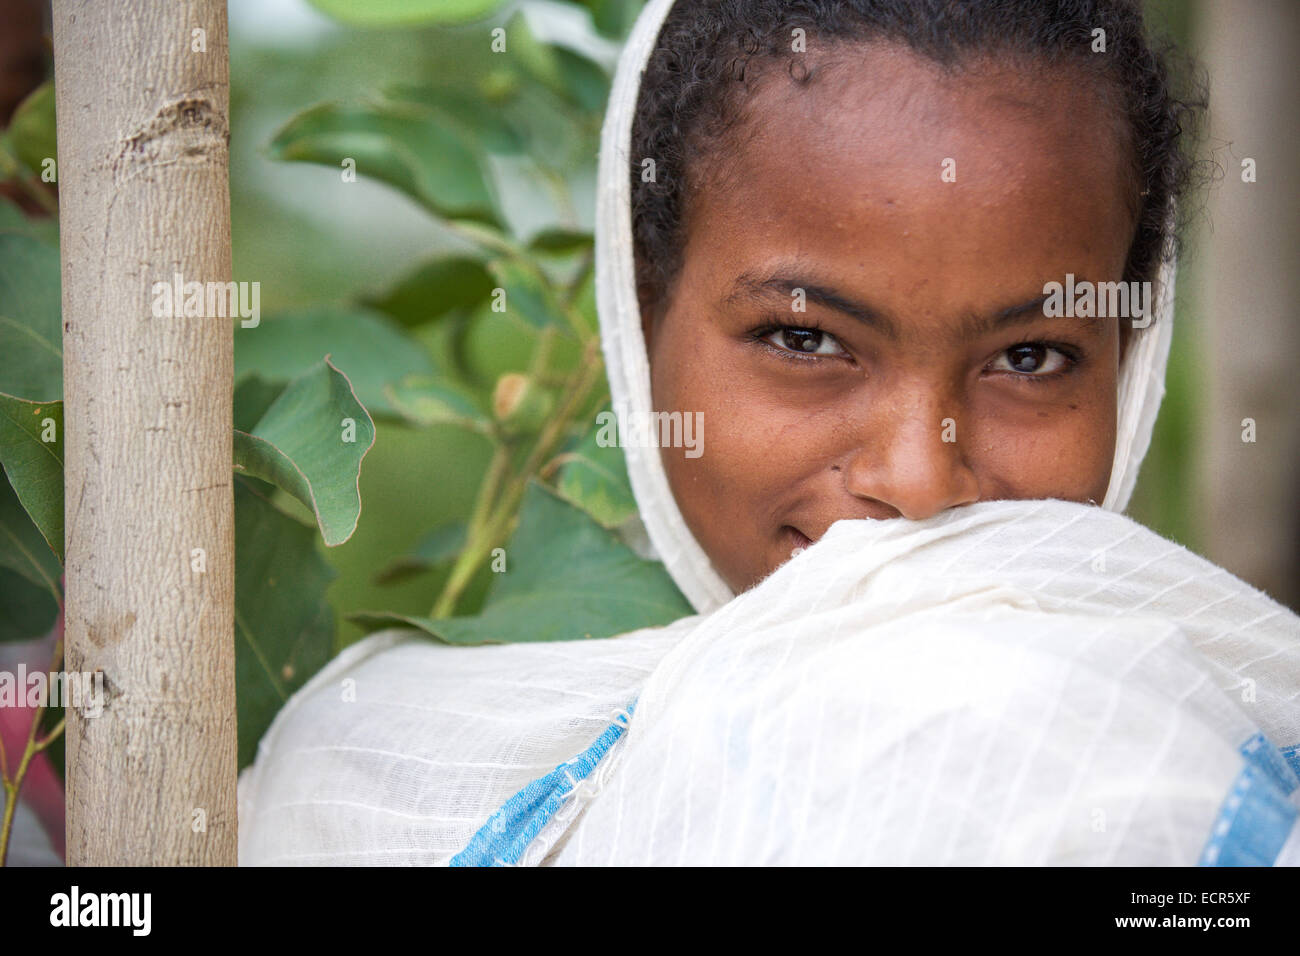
point(1142, 375)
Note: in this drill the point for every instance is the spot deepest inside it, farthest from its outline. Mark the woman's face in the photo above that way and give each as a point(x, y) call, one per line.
point(922, 374)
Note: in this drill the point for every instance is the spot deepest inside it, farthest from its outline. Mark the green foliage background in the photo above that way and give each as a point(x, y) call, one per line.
point(415, 478)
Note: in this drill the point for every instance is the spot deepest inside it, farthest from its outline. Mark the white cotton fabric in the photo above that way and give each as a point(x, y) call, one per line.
point(1021, 682)
point(1024, 682)
point(400, 749)
point(1008, 683)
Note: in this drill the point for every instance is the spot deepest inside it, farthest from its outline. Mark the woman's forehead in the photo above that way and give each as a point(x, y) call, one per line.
point(917, 182)
point(900, 122)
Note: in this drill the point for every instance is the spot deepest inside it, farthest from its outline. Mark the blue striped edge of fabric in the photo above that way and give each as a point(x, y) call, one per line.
point(502, 840)
point(1292, 755)
point(1257, 815)
point(1252, 825)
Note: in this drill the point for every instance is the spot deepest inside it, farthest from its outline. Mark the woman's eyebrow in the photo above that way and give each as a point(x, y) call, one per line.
point(754, 287)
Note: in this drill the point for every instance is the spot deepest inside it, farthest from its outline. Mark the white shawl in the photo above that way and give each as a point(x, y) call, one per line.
point(1008, 682)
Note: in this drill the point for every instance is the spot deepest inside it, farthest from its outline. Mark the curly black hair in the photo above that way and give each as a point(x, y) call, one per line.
point(711, 53)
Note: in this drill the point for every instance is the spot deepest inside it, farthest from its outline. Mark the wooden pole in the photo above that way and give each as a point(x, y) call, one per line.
point(1250, 458)
point(142, 93)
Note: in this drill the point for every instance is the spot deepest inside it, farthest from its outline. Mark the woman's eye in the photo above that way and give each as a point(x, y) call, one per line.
point(1031, 358)
point(805, 341)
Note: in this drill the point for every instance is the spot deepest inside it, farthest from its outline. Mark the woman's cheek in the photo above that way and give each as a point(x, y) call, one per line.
point(1065, 455)
point(732, 452)
point(726, 494)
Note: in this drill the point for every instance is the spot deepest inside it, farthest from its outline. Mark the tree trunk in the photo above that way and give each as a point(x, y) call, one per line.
point(144, 196)
point(1250, 462)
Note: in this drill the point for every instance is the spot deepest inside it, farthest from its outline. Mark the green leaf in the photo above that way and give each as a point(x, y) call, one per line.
point(582, 81)
point(614, 18)
point(9, 165)
point(439, 547)
point(366, 345)
point(557, 136)
point(29, 574)
point(535, 58)
point(284, 629)
point(600, 588)
point(300, 445)
point(26, 611)
point(490, 239)
point(31, 130)
point(427, 400)
point(31, 340)
point(35, 466)
point(502, 106)
point(563, 71)
point(396, 13)
point(489, 344)
point(458, 341)
point(253, 396)
point(44, 229)
point(594, 478)
point(528, 295)
point(468, 108)
point(22, 548)
point(584, 302)
point(434, 289)
point(406, 147)
point(558, 240)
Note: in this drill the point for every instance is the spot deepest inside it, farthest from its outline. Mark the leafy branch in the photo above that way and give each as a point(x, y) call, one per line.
point(35, 745)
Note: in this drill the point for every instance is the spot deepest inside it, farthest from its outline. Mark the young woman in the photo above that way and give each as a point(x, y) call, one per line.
point(909, 264)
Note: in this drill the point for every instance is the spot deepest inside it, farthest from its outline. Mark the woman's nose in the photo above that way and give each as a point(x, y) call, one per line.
point(913, 462)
